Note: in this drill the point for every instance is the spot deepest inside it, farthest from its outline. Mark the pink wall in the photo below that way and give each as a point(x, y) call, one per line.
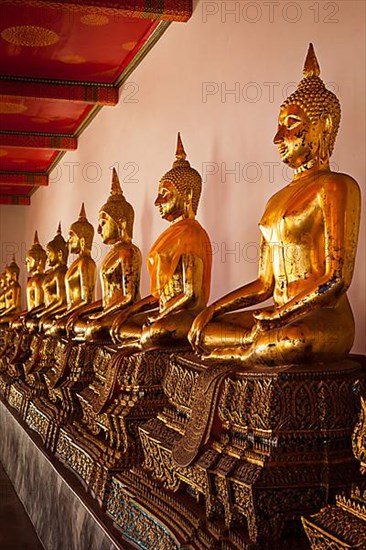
point(257, 52)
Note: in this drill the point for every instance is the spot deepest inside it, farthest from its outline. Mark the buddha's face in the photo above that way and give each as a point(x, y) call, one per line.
point(73, 242)
point(31, 263)
point(297, 137)
point(169, 201)
point(108, 229)
point(10, 275)
point(52, 256)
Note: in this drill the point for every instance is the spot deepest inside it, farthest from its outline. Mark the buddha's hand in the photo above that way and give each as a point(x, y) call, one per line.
point(195, 335)
point(70, 325)
point(96, 316)
point(119, 320)
point(266, 319)
point(152, 318)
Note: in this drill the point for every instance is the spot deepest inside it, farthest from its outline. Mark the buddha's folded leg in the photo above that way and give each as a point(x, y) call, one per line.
point(57, 328)
point(98, 330)
point(131, 330)
point(17, 324)
point(227, 334)
point(327, 332)
point(47, 324)
point(169, 331)
point(32, 324)
point(79, 327)
point(4, 321)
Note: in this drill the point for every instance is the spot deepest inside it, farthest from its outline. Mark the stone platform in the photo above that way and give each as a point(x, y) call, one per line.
point(256, 447)
point(63, 516)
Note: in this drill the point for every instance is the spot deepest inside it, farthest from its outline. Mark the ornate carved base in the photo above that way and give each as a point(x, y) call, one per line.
point(262, 445)
point(40, 423)
point(57, 403)
point(27, 379)
point(153, 517)
point(8, 344)
point(125, 392)
point(18, 399)
point(4, 388)
point(342, 526)
point(10, 341)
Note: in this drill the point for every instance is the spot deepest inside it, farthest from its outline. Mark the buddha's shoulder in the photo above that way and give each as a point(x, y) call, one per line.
point(336, 180)
point(86, 261)
point(36, 279)
point(127, 250)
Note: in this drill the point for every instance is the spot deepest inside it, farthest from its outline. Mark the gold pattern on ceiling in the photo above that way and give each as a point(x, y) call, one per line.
point(94, 19)
point(128, 46)
point(72, 59)
point(30, 36)
point(11, 108)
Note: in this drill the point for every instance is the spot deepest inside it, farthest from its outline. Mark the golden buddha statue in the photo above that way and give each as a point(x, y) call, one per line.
point(2, 291)
point(179, 264)
point(119, 273)
point(35, 261)
point(80, 277)
point(309, 235)
point(53, 284)
point(12, 293)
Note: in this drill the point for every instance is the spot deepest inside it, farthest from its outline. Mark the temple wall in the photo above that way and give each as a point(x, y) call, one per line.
point(220, 80)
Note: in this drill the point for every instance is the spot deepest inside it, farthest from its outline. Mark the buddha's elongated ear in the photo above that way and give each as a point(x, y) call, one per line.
point(122, 224)
point(82, 244)
point(324, 141)
point(188, 208)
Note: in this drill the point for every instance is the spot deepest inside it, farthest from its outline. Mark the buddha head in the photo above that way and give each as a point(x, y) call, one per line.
point(36, 257)
point(308, 121)
point(81, 234)
point(179, 189)
point(116, 216)
point(12, 271)
point(57, 250)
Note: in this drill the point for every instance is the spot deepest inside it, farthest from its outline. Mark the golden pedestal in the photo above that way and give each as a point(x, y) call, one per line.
point(256, 447)
point(343, 525)
point(9, 341)
point(124, 393)
point(27, 378)
point(71, 371)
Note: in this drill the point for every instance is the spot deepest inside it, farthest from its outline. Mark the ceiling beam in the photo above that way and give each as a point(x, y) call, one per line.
point(21, 200)
point(38, 141)
point(38, 180)
point(95, 94)
point(168, 10)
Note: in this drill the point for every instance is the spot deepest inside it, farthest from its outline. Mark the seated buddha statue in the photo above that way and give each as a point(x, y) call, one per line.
point(2, 291)
point(12, 294)
point(119, 273)
point(53, 284)
point(179, 265)
point(309, 233)
point(35, 261)
point(80, 277)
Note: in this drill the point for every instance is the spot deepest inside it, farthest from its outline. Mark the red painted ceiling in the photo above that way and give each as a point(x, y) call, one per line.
point(59, 63)
point(25, 114)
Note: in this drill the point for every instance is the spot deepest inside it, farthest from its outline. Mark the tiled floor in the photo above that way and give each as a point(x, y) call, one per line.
point(16, 530)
